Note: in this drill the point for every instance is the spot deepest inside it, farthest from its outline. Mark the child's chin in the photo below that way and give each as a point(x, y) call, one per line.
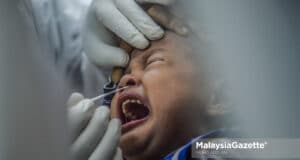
point(136, 140)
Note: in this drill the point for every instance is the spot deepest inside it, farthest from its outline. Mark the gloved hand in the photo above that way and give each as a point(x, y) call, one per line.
point(93, 135)
point(127, 20)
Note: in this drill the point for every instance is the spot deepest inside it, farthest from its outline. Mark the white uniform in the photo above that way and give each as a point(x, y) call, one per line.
point(58, 26)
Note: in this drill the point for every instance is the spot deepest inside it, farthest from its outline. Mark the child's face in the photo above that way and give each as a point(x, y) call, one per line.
point(162, 80)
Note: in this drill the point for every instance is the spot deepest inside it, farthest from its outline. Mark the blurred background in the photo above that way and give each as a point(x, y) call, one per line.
point(256, 45)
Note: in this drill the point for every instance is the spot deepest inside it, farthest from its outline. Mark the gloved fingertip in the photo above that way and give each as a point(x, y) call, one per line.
point(139, 41)
point(157, 34)
point(142, 45)
point(103, 114)
point(88, 105)
point(76, 94)
point(74, 99)
point(103, 109)
point(124, 60)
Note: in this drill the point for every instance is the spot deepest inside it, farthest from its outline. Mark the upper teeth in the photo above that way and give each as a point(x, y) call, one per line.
point(131, 101)
point(124, 109)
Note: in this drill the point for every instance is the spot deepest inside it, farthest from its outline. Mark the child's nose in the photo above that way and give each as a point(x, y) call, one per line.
point(128, 80)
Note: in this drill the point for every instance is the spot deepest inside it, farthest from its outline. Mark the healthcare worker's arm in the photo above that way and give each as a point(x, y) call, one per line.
point(108, 19)
point(93, 135)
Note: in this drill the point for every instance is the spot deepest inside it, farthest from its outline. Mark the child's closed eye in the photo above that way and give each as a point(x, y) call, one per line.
point(154, 59)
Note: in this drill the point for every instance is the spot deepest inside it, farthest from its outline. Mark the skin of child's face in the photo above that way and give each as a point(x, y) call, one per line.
point(164, 76)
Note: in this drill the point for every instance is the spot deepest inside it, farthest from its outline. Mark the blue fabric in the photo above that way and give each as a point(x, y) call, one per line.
point(184, 149)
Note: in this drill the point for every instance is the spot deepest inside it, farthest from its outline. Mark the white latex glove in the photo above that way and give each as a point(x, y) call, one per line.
point(93, 135)
point(127, 20)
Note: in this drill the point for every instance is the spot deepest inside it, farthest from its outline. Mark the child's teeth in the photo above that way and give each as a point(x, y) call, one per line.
point(131, 101)
point(129, 115)
point(127, 101)
point(124, 109)
point(124, 104)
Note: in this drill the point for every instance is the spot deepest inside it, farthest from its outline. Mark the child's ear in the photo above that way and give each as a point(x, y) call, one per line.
point(218, 105)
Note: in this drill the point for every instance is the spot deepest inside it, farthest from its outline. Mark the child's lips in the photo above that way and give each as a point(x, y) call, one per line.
point(133, 124)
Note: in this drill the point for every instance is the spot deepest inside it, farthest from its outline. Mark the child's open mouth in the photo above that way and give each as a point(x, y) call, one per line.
point(133, 110)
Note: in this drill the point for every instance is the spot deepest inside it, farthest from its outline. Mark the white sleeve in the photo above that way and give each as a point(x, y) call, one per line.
point(58, 26)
